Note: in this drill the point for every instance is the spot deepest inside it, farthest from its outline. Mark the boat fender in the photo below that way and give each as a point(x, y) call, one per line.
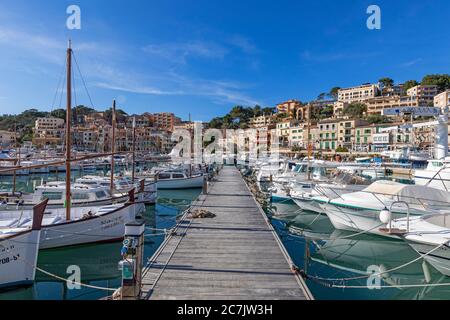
point(426, 271)
point(385, 216)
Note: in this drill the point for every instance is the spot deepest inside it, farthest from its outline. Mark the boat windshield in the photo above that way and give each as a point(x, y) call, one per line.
point(346, 178)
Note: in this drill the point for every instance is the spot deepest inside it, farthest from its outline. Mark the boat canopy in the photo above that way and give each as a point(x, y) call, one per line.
point(412, 194)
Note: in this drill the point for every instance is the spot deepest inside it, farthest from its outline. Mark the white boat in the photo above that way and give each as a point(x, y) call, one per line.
point(360, 211)
point(268, 170)
point(429, 235)
point(19, 249)
point(332, 186)
point(436, 175)
point(81, 195)
point(123, 185)
point(179, 180)
point(86, 224)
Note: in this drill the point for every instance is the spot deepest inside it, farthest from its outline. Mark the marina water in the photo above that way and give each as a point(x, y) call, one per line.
point(323, 253)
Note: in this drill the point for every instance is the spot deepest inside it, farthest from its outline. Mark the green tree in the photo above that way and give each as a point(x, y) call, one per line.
point(377, 118)
point(442, 81)
point(322, 113)
point(355, 110)
point(334, 93)
point(59, 113)
point(216, 123)
point(386, 82)
point(268, 111)
point(410, 84)
point(341, 149)
point(321, 96)
point(120, 115)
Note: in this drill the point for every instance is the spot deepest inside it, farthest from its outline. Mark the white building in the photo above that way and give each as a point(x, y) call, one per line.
point(358, 94)
point(442, 100)
point(296, 136)
point(7, 138)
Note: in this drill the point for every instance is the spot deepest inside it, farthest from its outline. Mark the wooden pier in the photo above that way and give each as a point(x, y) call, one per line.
point(235, 255)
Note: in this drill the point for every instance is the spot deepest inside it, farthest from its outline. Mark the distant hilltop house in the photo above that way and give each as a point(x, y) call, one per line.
point(7, 138)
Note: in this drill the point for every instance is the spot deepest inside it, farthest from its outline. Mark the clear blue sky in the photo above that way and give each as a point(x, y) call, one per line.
point(204, 56)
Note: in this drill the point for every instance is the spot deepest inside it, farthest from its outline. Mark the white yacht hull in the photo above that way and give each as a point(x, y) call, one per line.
point(433, 179)
point(18, 259)
point(439, 259)
point(308, 205)
point(104, 228)
point(188, 183)
point(355, 220)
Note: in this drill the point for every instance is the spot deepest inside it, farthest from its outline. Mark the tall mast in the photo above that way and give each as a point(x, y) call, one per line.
point(309, 142)
point(17, 157)
point(68, 131)
point(134, 149)
point(113, 145)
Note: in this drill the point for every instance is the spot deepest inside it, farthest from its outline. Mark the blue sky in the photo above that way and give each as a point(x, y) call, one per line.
point(205, 56)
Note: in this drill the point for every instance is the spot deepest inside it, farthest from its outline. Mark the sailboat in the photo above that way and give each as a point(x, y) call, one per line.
point(70, 225)
point(19, 247)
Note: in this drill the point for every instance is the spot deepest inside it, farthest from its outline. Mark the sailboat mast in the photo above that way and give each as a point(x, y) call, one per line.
point(113, 145)
point(15, 162)
point(134, 150)
point(68, 130)
point(309, 142)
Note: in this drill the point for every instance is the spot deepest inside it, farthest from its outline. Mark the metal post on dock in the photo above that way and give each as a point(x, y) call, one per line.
point(131, 265)
point(205, 185)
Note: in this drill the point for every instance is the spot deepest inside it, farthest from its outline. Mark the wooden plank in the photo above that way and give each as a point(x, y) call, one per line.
point(235, 255)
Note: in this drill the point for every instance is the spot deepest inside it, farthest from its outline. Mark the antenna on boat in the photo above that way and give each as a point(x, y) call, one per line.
point(68, 127)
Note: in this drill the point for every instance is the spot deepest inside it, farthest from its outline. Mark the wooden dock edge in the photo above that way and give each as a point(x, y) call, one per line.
point(300, 280)
point(181, 224)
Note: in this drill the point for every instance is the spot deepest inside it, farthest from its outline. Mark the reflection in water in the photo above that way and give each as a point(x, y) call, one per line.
point(314, 245)
point(325, 253)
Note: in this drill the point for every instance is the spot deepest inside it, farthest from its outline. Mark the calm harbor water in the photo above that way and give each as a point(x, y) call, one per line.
point(304, 235)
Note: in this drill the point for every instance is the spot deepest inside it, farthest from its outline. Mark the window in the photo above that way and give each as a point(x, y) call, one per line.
point(80, 196)
point(100, 194)
point(164, 176)
point(51, 195)
point(178, 176)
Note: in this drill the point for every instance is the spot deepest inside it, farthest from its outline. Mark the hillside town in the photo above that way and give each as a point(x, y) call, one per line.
point(346, 120)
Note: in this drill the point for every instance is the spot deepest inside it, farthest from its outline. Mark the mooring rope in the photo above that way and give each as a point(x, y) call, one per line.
point(379, 274)
point(61, 278)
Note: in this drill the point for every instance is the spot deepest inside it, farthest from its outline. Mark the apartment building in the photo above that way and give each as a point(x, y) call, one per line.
point(283, 130)
point(364, 136)
point(293, 109)
point(85, 138)
point(425, 93)
point(378, 104)
point(358, 94)
point(297, 136)
point(7, 138)
point(289, 107)
point(442, 100)
point(141, 121)
point(396, 90)
point(48, 131)
point(338, 108)
point(262, 121)
point(328, 134)
point(347, 132)
point(381, 141)
point(165, 120)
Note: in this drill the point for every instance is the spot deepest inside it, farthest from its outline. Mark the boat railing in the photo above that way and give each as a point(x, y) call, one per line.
point(408, 215)
point(436, 204)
